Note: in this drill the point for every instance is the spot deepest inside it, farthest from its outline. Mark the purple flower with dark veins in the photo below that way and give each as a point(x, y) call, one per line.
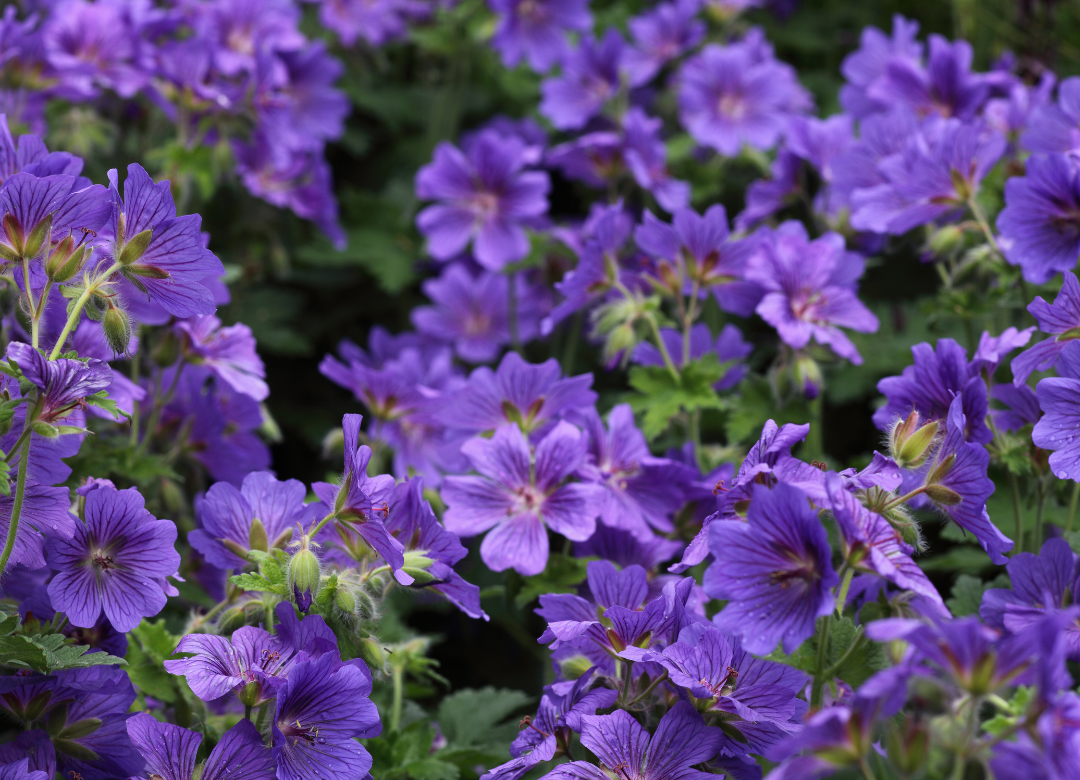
point(775, 569)
point(228, 352)
point(1060, 319)
point(646, 157)
point(957, 484)
point(640, 492)
point(946, 87)
point(472, 311)
point(117, 561)
point(738, 94)
point(590, 77)
point(1057, 431)
point(253, 664)
point(535, 30)
point(1040, 224)
point(261, 515)
point(321, 709)
point(531, 396)
point(810, 289)
point(700, 249)
point(484, 197)
point(170, 751)
point(760, 698)
point(561, 710)
point(60, 206)
point(63, 383)
point(626, 750)
point(45, 514)
point(518, 497)
point(659, 36)
point(161, 257)
point(29, 154)
point(866, 66)
point(937, 174)
point(1041, 584)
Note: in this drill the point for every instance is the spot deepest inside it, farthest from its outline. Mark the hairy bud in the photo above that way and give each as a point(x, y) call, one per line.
point(910, 444)
point(135, 248)
point(117, 329)
point(304, 575)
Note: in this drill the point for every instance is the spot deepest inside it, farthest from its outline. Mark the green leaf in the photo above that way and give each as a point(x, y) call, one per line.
point(967, 593)
point(102, 401)
point(562, 575)
point(757, 403)
point(662, 396)
point(387, 256)
point(149, 645)
point(256, 583)
point(48, 652)
point(432, 769)
point(480, 716)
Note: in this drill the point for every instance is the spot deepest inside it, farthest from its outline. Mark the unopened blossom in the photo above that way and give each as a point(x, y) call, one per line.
point(484, 197)
point(729, 347)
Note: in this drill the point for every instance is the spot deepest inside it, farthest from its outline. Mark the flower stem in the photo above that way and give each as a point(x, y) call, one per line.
point(841, 598)
point(399, 693)
point(318, 526)
point(1018, 517)
point(984, 225)
point(648, 690)
point(668, 362)
point(72, 320)
point(817, 689)
point(20, 493)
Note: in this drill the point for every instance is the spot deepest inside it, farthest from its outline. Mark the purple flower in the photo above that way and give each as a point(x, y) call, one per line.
point(810, 289)
point(1022, 407)
point(1040, 224)
point(1056, 431)
point(170, 751)
point(376, 21)
point(590, 77)
point(322, 707)
point(242, 29)
point(413, 523)
point(117, 561)
point(597, 159)
point(44, 515)
point(958, 485)
point(218, 423)
point(1041, 584)
point(659, 36)
point(30, 155)
point(775, 569)
point(765, 197)
point(821, 142)
point(473, 313)
point(561, 710)
point(70, 205)
point(1055, 127)
point(30, 756)
point(535, 30)
point(228, 352)
point(993, 349)
point(930, 385)
point(1061, 319)
point(359, 503)
point(759, 697)
point(520, 497)
point(946, 87)
point(485, 197)
point(873, 545)
point(626, 750)
point(646, 157)
point(880, 137)
point(170, 272)
point(62, 384)
point(866, 66)
point(938, 172)
point(263, 512)
point(729, 347)
point(1054, 755)
point(640, 492)
point(834, 738)
point(701, 250)
point(253, 664)
point(738, 94)
point(627, 549)
point(85, 711)
point(527, 395)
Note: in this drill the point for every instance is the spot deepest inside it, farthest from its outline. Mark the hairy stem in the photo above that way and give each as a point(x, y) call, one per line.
point(20, 494)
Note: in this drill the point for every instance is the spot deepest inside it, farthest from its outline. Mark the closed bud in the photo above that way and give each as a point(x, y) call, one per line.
point(135, 248)
point(808, 376)
point(372, 653)
point(117, 328)
point(62, 267)
point(257, 536)
point(946, 240)
point(304, 575)
point(44, 429)
point(345, 601)
point(172, 497)
point(36, 240)
point(917, 447)
point(901, 432)
point(942, 495)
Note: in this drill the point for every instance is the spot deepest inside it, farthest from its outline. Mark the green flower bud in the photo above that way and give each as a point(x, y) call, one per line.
point(63, 263)
point(135, 248)
point(942, 495)
point(575, 666)
point(808, 377)
point(167, 350)
point(117, 329)
point(946, 240)
point(304, 575)
point(915, 447)
point(372, 653)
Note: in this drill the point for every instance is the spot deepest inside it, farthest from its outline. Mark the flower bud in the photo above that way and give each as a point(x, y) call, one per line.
point(945, 240)
point(117, 329)
point(942, 495)
point(372, 653)
point(304, 575)
point(808, 376)
point(911, 446)
point(907, 746)
point(64, 263)
point(135, 248)
point(167, 350)
point(44, 429)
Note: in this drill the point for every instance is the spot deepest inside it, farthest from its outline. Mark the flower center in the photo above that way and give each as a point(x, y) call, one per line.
point(529, 500)
point(533, 11)
point(477, 323)
point(297, 734)
point(102, 561)
point(485, 205)
point(732, 107)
